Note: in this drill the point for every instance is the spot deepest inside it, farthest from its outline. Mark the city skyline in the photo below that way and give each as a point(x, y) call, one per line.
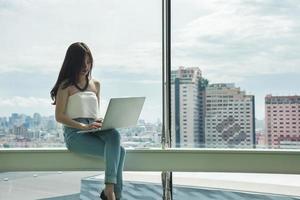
point(52, 116)
point(26, 104)
point(19, 130)
point(203, 115)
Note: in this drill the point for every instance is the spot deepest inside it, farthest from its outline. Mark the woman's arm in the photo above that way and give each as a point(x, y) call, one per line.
point(61, 102)
point(97, 85)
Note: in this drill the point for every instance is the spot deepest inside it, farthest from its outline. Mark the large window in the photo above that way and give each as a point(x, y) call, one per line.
point(125, 40)
point(235, 68)
point(234, 84)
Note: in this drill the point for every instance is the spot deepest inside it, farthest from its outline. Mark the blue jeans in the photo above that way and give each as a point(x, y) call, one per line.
point(102, 144)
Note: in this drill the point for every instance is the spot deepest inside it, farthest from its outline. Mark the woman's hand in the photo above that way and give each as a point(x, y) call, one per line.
point(92, 125)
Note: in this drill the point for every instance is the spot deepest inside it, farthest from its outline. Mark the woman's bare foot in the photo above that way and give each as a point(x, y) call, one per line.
point(109, 192)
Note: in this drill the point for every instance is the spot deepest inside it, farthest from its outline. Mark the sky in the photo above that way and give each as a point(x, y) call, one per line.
point(254, 44)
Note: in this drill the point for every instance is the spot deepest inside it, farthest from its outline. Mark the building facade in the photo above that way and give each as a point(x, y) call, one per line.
point(229, 117)
point(187, 107)
point(282, 124)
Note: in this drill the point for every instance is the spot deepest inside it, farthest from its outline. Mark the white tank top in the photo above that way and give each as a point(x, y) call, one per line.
point(83, 105)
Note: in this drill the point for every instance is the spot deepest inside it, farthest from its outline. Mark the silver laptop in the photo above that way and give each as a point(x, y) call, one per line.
point(121, 113)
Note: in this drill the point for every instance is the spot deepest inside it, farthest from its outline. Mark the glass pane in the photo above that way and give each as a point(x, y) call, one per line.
point(125, 41)
point(235, 68)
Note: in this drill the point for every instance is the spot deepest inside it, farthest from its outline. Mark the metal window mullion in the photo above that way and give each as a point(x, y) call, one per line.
point(166, 62)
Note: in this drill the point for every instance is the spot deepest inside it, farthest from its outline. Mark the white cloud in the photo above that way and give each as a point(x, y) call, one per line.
point(36, 34)
point(235, 39)
point(142, 81)
point(240, 35)
point(25, 102)
point(136, 58)
point(26, 105)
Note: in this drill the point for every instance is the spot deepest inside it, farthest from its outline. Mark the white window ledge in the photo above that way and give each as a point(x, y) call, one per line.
point(184, 160)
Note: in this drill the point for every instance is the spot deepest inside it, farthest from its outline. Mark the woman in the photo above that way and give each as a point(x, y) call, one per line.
point(77, 99)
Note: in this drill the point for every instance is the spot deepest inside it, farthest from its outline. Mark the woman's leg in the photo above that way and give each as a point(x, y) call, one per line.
point(114, 157)
point(91, 145)
point(102, 144)
point(111, 153)
point(119, 185)
point(85, 143)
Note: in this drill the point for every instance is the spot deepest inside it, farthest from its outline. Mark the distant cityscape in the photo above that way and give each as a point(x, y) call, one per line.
point(23, 131)
point(218, 115)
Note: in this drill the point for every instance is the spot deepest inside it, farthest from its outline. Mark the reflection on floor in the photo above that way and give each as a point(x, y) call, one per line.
point(152, 191)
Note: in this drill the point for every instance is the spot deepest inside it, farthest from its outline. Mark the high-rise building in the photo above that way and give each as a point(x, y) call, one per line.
point(20, 131)
point(28, 122)
point(3, 122)
point(229, 117)
point(14, 120)
point(37, 120)
point(187, 97)
point(282, 121)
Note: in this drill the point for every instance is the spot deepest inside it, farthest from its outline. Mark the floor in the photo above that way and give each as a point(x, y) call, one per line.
point(192, 186)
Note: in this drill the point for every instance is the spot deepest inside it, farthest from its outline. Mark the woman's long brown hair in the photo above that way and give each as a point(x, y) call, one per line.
point(71, 67)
